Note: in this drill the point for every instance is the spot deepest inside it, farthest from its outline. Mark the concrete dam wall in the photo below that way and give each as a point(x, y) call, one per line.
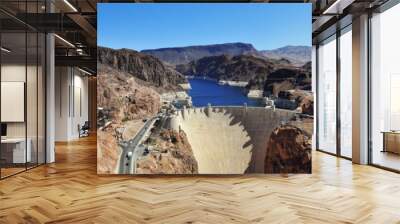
point(229, 140)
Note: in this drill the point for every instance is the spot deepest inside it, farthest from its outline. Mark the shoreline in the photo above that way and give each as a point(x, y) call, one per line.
point(209, 91)
point(252, 94)
point(233, 83)
point(220, 82)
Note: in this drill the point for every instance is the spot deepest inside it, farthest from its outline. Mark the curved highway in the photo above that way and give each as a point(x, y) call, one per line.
point(133, 148)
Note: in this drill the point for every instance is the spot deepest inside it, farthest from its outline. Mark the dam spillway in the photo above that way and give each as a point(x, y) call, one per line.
point(229, 140)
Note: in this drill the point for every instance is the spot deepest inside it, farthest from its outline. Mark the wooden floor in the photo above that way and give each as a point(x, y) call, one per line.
point(70, 191)
point(386, 159)
point(8, 171)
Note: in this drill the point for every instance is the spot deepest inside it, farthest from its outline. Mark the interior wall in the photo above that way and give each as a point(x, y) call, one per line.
point(62, 80)
point(33, 126)
point(80, 109)
point(71, 102)
point(15, 73)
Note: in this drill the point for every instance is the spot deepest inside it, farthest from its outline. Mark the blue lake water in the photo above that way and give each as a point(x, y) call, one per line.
point(207, 91)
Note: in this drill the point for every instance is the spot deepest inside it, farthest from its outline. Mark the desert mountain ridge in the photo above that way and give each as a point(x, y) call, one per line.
point(141, 66)
point(183, 55)
point(297, 55)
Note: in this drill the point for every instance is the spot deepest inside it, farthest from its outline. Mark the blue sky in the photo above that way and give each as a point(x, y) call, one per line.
point(155, 25)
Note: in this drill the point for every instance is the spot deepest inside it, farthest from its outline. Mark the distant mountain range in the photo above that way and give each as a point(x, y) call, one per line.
point(297, 55)
point(184, 55)
point(226, 67)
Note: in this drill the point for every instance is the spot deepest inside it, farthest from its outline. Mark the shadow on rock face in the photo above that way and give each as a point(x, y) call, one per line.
point(288, 151)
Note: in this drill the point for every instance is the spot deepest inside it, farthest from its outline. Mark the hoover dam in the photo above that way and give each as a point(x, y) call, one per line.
point(229, 140)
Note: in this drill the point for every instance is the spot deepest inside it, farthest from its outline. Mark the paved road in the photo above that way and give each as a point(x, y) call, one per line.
point(127, 164)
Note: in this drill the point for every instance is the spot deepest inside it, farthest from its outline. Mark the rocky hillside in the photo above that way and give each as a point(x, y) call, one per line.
point(303, 99)
point(226, 67)
point(270, 75)
point(296, 54)
point(286, 79)
point(184, 55)
point(288, 151)
point(307, 66)
point(171, 154)
point(124, 99)
point(141, 66)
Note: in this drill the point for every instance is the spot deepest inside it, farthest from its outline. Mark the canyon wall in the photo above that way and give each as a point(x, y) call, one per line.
point(288, 151)
point(171, 154)
point(141, 66)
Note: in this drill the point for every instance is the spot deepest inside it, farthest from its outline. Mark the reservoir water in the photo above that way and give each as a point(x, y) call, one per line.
point(207, 91)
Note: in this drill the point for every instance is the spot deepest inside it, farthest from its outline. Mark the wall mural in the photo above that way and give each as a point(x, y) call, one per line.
point(204, 88)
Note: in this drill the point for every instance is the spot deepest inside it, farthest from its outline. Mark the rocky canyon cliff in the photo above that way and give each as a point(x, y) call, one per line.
point(184, 55)
point(141, 66)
